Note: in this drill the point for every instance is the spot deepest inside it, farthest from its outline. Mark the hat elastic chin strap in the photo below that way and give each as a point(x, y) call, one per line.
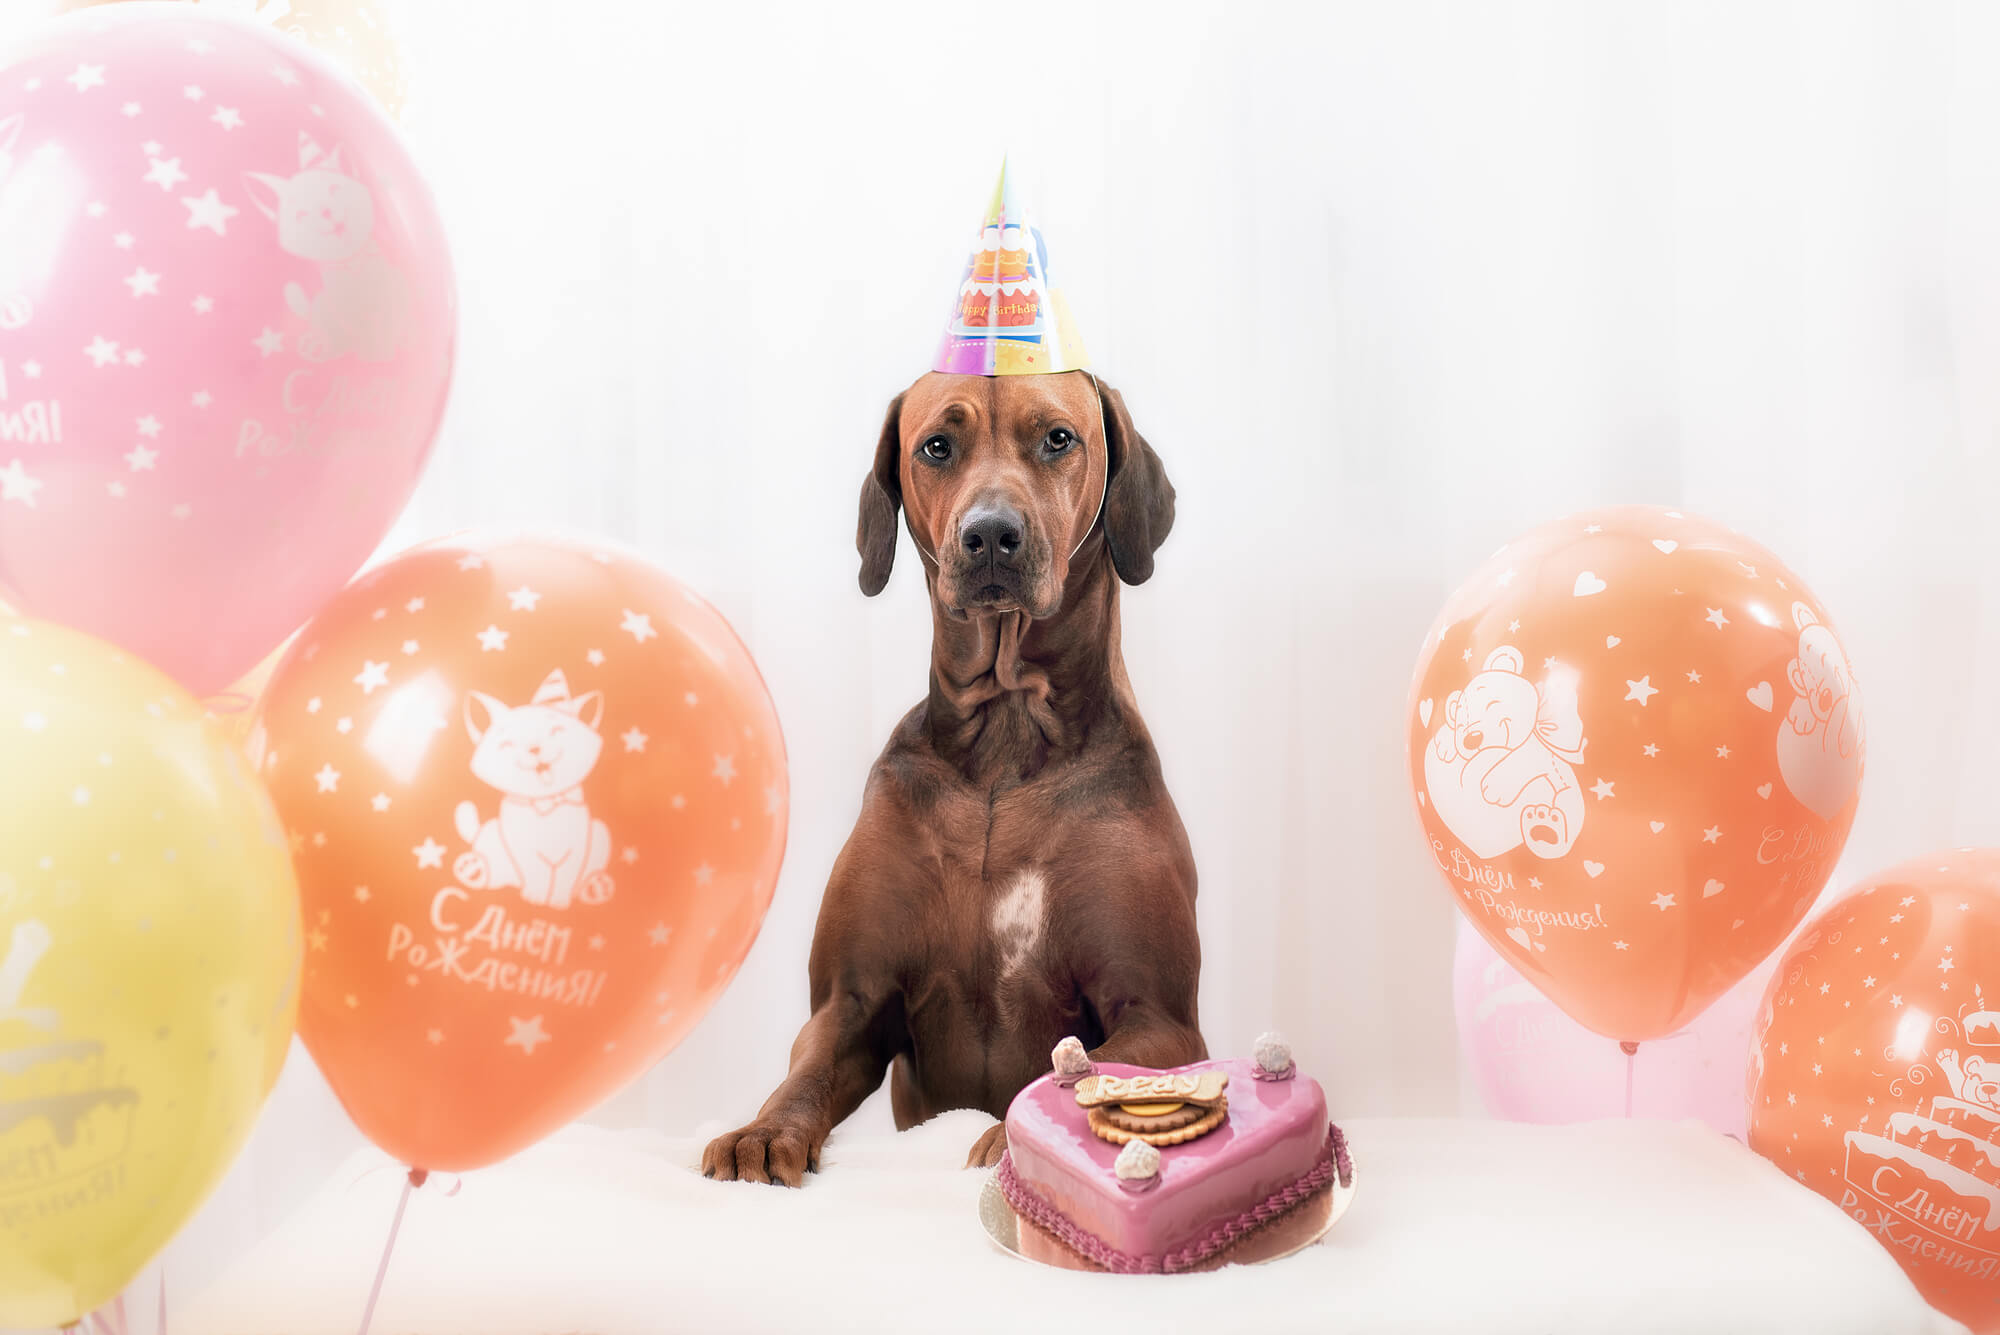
point(1103, 490)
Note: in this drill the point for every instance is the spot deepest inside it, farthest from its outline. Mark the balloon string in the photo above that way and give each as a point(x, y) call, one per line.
point(1631, 1051)
point(162, 1329)
point(410, 1183)
point(108, 1319)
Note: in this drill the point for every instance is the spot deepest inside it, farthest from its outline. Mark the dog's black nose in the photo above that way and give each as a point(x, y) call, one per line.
point(991, 533)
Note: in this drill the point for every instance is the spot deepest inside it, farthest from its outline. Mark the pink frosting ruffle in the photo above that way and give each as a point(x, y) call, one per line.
point(1031, 1205)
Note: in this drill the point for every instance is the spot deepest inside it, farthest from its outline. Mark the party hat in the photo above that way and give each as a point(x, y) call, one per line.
point(1006, 319)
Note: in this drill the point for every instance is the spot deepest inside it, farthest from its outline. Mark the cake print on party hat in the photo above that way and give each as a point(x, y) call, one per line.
point(1006, 319)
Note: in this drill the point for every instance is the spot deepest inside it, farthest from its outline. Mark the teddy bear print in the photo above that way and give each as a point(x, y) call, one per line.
point(1973, 1079)
point(1821, 742)
point(1500, 769)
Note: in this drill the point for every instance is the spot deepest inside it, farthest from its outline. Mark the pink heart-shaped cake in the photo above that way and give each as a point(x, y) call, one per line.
point(1126, 1169)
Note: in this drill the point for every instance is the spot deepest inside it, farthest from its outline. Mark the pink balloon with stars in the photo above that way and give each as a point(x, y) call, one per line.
point(227, 320)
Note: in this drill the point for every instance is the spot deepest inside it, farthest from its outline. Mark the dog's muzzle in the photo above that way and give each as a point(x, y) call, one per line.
point(992, 553)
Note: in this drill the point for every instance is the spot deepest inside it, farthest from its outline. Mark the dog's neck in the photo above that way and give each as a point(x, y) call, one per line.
point(1011, 695)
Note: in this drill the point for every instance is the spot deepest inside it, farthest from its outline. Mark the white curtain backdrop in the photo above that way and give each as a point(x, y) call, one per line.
point(1384, 284)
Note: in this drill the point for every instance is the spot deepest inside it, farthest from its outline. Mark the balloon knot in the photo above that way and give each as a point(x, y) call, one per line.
point(1630, 1049)
point(418, 1176)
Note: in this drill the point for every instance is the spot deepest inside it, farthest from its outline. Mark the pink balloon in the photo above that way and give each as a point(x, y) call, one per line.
point(1532, 1063)
point(227, 317)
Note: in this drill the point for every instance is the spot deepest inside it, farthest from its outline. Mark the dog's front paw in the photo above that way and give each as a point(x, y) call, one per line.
point(986, 1151)
point(764, 1151)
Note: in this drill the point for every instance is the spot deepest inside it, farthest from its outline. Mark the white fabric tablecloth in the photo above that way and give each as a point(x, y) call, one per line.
point(1456, 1225)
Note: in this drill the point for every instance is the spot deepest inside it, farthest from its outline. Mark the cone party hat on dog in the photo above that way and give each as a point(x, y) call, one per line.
point(1006, 319)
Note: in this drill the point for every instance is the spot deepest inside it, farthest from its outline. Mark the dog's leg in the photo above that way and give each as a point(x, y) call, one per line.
point(1139, 1032)
point(1144, 1036)
point(837, 1061)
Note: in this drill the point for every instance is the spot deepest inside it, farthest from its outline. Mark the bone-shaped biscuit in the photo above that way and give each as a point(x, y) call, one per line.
point(1203, 1089)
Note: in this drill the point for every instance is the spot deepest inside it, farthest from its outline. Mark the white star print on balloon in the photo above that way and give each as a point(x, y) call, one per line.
point(17, 485)
point(207, 210)
point(527, 1035)
point(165, 173)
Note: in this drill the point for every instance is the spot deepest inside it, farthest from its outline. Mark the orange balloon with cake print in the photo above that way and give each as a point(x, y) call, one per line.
point(1635, 745)
point(536, 795)
point(1875, 1071)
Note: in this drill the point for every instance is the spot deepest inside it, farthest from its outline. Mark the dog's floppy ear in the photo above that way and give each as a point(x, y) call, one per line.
point(881, 498)
point(1138, 499)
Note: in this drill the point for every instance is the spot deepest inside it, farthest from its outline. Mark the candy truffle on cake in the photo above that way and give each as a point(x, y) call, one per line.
point(1143, 1171)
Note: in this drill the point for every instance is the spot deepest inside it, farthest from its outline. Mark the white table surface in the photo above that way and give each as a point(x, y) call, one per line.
point(1456, 1226)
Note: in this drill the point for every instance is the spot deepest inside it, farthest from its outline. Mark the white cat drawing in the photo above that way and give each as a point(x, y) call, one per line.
point(544, 840)
point(327, 216)
point(15, 308)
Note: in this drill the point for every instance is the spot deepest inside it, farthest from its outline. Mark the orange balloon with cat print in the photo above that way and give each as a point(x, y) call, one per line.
point(536, 797)
point(1635, 743)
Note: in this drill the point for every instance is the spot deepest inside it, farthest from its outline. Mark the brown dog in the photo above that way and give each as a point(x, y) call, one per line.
point(1018, 873)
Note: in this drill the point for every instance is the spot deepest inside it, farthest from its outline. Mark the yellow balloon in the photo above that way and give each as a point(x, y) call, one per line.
point(149, 961)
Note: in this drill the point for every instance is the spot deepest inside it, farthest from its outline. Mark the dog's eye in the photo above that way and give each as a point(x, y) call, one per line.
point(1060, 439)
point(937, 448)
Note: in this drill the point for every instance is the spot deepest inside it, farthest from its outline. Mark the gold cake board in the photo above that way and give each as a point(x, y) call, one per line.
point(1288, 1235)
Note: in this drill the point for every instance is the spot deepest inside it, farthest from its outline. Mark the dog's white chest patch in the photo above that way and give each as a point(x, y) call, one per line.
point(1016, 922)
